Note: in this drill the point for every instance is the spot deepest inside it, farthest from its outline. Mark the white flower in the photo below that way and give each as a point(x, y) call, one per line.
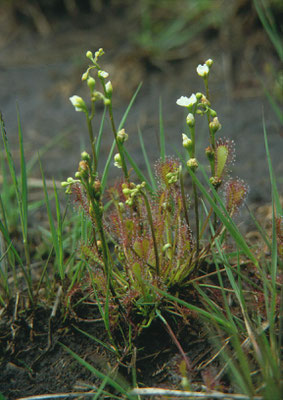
point(103, 74)
point(78, 103)
point(202, 70)
point(184, 101)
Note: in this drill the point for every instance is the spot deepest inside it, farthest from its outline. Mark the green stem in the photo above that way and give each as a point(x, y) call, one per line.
point(152, 232)
point(91, 138)
point(197, 217)
point(119, 146)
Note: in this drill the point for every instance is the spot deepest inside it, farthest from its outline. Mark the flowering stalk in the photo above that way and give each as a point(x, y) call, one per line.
point(157, 269)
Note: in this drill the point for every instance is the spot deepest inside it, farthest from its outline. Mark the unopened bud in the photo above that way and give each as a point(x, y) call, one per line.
point(122, 136)
point(91, 83)
point(187, 143)
point(215, 181)
point(209, 153)
point(118, 160)
point(89, 55)
point(103, 74)
point(215, 125)
point(209, 62)
point(85, 156)
point(85, 75)
point(109, 88)
point(78, 103)
point(192, 164)
point(190, 120)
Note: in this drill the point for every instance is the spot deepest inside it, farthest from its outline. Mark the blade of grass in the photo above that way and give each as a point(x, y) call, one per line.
point(223, 216)
point(110, 155)
point(147, 163)
point(137, 170)
point(123, 120)
point(98, 142)
point(117, 386)
point(268, 23)
point(54, 236)
point(106, 168)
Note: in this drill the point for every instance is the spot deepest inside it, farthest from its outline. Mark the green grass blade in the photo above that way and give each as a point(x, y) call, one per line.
point(17, 257)
point(274, 189)
point(106, 168)
point(99, 137)
point(223, 215)
point(137, 170)
point(109, 348)
point(207, 315)
point(55, 241)
point(24, 191)
point(20, 200)
point(117, 386)
point(110, 155)
point(123, 120)
point(161, 132)
point(268, 23)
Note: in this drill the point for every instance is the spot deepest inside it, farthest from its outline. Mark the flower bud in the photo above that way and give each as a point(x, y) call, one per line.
point(209, 153)
point(108, 88)
point(89, 55)
point(166, 247)
point(97, 189)
point(192, 164)
point(187, 143)
point(91, 83)
point(78, 103)
point(126, 191)
point(117, 160)
point(190, 120)
point(213, 113)
point(83, 166)
point(85, 75)
point(122, 136)
point(121, 206)
point(209, 62)
point(103, 74)
point(85, 156)
point(215, 181)
point(215, 125)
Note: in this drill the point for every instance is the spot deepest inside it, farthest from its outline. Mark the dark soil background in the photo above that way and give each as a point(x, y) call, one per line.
point(42, 58)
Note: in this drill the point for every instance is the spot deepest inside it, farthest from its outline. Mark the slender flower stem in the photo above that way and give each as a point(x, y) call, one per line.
point(192, 131)
point(119, 146)
point(92, 142)
point(152, 232)
point(197, 217)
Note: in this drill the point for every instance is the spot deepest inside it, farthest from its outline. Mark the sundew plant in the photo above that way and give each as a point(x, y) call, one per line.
point(143, 236)
point(153, 250)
